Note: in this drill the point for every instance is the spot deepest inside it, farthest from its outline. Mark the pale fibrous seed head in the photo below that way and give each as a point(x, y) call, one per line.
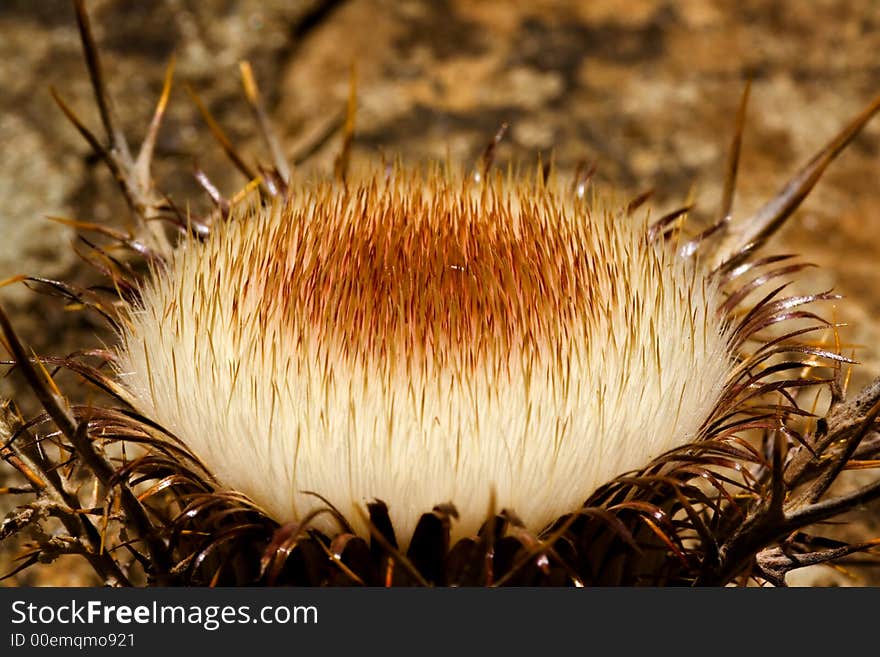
point(423, 339)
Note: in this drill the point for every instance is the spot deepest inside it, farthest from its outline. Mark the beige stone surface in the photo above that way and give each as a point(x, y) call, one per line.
point(648, 89)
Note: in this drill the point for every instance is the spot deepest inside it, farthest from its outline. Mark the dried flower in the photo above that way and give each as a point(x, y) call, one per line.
point(427, 341)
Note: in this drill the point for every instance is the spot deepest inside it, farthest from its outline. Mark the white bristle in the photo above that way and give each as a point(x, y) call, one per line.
point(421, 342)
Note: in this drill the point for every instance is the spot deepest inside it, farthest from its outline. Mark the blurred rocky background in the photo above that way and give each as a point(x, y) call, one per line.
point(647, 89)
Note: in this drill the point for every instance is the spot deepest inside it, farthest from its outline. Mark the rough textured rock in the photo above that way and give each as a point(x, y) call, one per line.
point(646, 88)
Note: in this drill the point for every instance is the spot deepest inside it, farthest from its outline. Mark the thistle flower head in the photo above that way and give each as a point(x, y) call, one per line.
point(423, 340)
